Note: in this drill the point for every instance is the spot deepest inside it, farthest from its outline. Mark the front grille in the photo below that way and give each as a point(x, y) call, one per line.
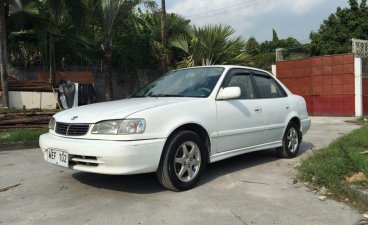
point(83, 160)
point(71, 129)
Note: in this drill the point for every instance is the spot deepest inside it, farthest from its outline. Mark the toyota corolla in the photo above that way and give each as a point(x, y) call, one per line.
point(178, 124)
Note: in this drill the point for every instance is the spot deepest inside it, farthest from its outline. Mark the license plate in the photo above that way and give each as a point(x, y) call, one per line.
point(57, 157)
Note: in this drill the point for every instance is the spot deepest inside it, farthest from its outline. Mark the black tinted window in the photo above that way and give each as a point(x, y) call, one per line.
point(268, 88)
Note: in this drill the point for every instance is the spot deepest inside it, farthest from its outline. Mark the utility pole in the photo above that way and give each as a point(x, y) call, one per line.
point(3, 56)
point(163, 35)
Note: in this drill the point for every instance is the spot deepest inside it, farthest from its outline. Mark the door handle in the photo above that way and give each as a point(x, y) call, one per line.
point(258, 110)
point(287, 107)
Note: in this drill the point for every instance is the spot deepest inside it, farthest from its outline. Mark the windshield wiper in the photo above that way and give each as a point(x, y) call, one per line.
point(166, 95)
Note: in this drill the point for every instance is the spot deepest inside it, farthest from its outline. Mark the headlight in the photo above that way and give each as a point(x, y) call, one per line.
point(52, 123)
point(106, 127)
point(129, 126)
point(132, 126)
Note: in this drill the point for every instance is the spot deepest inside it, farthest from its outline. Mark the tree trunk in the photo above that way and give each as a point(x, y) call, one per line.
point(163, 35)
point(3, 57)
point(52, 59)
point(108, 68)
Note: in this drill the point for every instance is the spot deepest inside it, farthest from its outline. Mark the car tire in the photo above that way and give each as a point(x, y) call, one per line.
point(182, 162)
point(290, 141)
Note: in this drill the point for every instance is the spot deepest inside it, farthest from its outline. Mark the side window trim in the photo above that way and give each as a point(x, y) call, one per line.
point(258, 95)
point(233, 72)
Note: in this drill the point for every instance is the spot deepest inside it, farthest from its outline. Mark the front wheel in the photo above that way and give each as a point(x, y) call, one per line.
point(290, 142)
point(183, 161)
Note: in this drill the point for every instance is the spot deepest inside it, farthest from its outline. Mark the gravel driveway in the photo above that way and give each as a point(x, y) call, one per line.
point(255, 188)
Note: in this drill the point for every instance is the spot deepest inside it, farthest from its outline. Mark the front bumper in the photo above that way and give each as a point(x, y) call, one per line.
point(105, 156)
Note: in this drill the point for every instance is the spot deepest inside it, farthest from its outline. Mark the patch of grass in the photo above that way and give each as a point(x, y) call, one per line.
point(10, 110)
point(330, 166)
point(21, 136)
point(363, 120)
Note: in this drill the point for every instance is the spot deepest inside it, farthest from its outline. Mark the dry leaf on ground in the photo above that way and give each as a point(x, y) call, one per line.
point(358, 177)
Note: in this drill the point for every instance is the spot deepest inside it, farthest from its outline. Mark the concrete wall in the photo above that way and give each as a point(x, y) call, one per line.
point(43, 100)
point(124, 83)
point(327, 83)
point(24, 73)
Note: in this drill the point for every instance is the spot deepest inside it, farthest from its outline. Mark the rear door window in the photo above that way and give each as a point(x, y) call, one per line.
point(268, 87)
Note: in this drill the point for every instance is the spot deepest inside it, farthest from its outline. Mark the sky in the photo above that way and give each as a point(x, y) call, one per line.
point(290, 18)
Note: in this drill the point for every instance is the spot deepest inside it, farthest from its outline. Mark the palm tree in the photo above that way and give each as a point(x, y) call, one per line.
point(163, 34)
point(3, 56)
point(151, 23)
point(111, 9)
point(210, 45)
point(57, 13)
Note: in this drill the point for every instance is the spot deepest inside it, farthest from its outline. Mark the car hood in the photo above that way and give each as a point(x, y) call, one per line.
point(114, 110)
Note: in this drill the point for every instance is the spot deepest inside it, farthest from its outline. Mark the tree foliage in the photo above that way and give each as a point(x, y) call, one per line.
point(252, 47)
point(209, 45)
point(32, 22)
point(263, 55)
point(137, 43)
point(335, 33)
point(275, 38)
point(85, 29)
point(80, 37)
point(86, 32)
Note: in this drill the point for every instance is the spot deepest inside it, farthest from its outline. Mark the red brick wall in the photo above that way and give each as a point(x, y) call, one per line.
point(326, 83)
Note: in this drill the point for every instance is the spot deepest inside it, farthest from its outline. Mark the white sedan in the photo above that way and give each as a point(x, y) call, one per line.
point(179, 123)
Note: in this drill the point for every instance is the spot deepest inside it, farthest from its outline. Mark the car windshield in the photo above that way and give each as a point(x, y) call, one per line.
point(191, 82)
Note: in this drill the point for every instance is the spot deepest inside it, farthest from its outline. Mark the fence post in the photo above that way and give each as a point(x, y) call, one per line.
point(358, 80)
point(274, 70)
point(279, 54)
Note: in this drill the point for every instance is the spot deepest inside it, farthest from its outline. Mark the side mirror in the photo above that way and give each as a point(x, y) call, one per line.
point(229, 93)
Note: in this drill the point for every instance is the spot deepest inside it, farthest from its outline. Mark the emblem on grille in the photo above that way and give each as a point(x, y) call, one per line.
point(74, 117)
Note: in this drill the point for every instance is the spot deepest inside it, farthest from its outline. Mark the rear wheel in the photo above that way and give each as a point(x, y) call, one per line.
point(290, 142)
point(183, 161)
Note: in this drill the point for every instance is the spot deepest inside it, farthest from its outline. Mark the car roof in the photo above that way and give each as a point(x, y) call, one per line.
point(227, 67)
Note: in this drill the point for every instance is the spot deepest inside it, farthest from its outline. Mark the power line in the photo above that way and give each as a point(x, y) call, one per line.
point(223, 8)
point(228, 9)
point(232, 8)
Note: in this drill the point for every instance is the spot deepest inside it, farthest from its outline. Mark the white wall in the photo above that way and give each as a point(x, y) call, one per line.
point(43, 100)
point(274, 70)
point(358, 86)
